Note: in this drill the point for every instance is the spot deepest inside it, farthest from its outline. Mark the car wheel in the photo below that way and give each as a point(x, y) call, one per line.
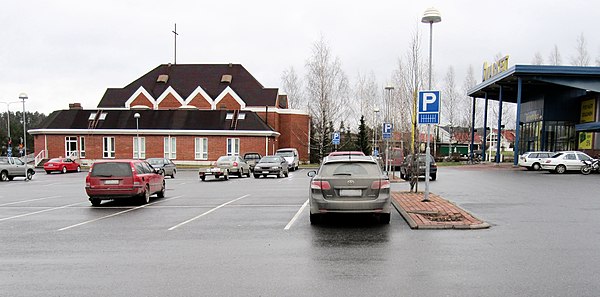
point(586, 169)
point(256, 175)
point(48, 171)
point(536, 166)
point(29, 175)
point(3, 176)
point(560, 169)
point(384, 218)
point(173, 174)
point(95, 201)
point(240, 173)
point(248, 173)
point(315, 218)
point(202, 177)
point(64, 170)
point(78, 168)
point(264, 175)
point(226, 176)
point(286, 174)
point(145, 198)
point(161, 194)
point(433, 176)
point(280, 174)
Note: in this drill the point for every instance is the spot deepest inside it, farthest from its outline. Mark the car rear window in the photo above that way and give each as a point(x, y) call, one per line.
point(55, 160)
point(285, 153)
point(269, 160)
point(109, 169)
point(350, 169)
point(226, 159)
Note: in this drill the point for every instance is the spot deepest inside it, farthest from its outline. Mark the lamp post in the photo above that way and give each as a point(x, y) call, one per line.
point(24, 97)
point(375, 112)
point(137, 116)
point(9, 148)
point(389, 90)
point(430, 16)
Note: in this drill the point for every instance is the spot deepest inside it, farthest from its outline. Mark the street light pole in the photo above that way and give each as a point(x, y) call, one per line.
point(430, 16)
point(375, 111)
point(137, 116)
point(24, 97)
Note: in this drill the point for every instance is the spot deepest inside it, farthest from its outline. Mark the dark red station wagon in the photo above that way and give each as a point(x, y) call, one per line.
point(114, 179)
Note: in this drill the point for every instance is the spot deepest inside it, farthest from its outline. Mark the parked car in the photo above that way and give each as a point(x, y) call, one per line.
point(405, 167)
point(169, 168)
point(564, 161)
point(251, 159)
point(62, 165)
point(534, 160)
point(271, 165)
point(225, 166)
point(11, 167)
point(353, 185)
point(116, 179)
point(291, 156)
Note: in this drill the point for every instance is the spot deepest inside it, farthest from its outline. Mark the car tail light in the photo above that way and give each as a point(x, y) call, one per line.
point(87, 181)
point(320, 185)
point(380, 184)
point(235, 164)
point(137, 181)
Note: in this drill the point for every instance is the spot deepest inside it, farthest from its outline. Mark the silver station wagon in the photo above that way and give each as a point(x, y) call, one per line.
point(352, 184)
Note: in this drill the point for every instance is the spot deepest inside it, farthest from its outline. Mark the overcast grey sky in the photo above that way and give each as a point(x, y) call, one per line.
point(65, 51)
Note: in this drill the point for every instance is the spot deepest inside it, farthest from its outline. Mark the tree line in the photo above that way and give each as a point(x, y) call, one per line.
point(15, 120)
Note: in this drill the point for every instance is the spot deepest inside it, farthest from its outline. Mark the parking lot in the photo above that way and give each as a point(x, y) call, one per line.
point(252, 237)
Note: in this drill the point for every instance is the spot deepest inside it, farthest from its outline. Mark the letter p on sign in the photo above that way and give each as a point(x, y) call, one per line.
point(429, 101)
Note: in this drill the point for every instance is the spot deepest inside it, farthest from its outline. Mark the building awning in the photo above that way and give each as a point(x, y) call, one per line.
point(588, 127)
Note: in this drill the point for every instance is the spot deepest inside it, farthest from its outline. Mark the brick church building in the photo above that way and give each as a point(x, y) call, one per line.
point(190, 113)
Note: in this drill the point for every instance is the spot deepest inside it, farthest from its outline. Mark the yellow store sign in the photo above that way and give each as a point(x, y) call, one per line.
point(588, 111)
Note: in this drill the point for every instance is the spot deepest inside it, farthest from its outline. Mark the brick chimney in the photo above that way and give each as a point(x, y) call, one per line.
point(75, 106)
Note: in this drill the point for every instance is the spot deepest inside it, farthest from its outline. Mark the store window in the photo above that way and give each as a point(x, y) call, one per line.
point(71, 147)
point(170, 148)
point(108, 147)
point(233, 146)
point(201, 148)
point(139, 147)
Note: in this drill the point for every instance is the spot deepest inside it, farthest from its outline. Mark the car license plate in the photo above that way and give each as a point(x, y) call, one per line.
point(215, 170)
point(350, 192)
point(111, 182)
point(265, 172)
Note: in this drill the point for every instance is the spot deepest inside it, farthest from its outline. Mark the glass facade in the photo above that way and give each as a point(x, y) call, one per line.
point(547, 136)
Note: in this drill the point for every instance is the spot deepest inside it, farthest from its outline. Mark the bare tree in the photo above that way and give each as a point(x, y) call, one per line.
point(581, 58)
point(555, 58)
point(468, 84)
point(452, 107)
point(292, 85)
point(366, 92)
point(326, 90)
point(537, 59)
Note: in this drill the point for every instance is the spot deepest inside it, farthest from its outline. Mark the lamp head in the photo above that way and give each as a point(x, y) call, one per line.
point(431, 15)
point(136, 116)
point(23, 96)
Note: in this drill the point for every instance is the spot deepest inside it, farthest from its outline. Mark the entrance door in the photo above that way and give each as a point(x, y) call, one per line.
point(71, 147)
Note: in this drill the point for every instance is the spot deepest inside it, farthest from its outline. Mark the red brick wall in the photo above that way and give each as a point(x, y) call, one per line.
point(294, 129)
point(169, 102)
point(142, 100)
point(200, 102)
point(228, 102)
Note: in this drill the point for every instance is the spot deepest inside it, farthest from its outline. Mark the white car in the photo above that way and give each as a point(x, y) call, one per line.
point(534, 160)
point(565, 161)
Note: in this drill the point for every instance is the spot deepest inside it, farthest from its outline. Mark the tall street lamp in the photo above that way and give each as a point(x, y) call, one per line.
point(9, 148)
point(430, 16)
point(137, 116)
point(375, 111)
point(23, 97)
point(389, 90)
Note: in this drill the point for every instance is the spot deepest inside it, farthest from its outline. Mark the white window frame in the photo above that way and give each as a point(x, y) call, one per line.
point(71, 153)
point(170, 147)
point(81, 147)
point(201, 148)
point(108, 147)
point(142, 150)
point(233, 146)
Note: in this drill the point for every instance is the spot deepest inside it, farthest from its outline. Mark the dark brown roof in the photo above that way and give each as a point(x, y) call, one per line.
point(185, 78)
point(154, 119)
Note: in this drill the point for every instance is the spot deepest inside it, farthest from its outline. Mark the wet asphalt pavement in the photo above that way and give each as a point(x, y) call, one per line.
point(239, 238)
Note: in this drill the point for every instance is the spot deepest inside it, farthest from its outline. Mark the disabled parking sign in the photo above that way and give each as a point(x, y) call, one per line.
point(429, 107)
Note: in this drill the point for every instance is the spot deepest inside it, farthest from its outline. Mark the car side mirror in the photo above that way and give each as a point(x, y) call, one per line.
point(311, 173)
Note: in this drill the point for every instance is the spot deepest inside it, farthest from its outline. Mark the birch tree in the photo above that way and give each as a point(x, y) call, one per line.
point(581, 58)
point(327, 93)
point(291, 84)
point(537, 59)
point(367, 95)
point(555, 58)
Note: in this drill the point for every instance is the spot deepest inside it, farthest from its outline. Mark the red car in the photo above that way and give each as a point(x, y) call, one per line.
point(62, 165)
point(109, 180)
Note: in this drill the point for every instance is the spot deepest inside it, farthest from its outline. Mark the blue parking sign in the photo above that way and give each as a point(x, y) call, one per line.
point(429, 107)
point(335, 139)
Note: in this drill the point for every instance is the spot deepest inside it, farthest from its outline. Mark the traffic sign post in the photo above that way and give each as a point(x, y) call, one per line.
point(387, 129)
point(335, 138)
point(429, 113)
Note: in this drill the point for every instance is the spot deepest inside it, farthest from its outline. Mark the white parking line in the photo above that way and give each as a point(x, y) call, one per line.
point(201, 215)
point(25, 201)
point(36, 212)
point(117, 213)
point(289, 225)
